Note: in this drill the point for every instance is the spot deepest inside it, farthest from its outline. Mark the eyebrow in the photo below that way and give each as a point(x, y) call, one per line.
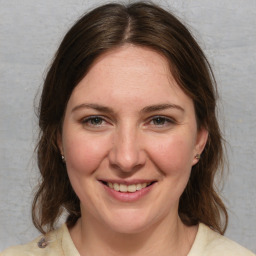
point(159, 107)
point(98, 107)
point(147, 109)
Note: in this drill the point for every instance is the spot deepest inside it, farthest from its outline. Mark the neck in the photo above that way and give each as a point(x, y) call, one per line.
point(172, 238)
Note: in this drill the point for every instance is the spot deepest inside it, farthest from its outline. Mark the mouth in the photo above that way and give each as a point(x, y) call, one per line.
point(127, 188)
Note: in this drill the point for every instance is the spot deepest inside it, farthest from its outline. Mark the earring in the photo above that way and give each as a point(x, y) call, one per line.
point(63, 158)
point(197, 156)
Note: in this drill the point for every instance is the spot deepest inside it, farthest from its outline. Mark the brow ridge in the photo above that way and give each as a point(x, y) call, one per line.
point(159, 107)
point(98, 107)
point(147, 109)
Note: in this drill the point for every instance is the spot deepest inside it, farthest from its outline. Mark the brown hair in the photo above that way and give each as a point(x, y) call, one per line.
point(100, 30)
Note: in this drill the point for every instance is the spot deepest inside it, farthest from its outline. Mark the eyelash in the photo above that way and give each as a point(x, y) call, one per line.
point(164, 121)
point(87, 120)
point(167, 121)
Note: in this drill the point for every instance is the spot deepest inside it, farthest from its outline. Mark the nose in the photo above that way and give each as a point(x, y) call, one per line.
point(127, 152)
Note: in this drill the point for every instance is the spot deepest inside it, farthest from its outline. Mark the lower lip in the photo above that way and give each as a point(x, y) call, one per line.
point(128, 196)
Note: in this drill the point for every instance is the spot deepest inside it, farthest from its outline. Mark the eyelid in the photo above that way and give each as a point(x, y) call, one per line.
point(85, 121)
point(91, 117)
point(168, 122)
point(167, 118)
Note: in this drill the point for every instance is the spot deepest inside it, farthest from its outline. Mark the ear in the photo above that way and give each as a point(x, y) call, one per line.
point(202, 137)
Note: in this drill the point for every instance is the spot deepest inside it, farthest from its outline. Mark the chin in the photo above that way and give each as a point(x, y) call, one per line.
point(129, 223)
point(129, 228)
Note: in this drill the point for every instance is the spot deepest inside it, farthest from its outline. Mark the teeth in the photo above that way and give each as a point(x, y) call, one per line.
point(110, 185)
point(116, 186)
point(123, 188)
point(138, 187)
point(127, 188)
point(131, 188)
point(144, 185)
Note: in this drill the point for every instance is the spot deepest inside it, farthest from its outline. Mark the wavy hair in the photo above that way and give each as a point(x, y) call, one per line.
point(102, 29)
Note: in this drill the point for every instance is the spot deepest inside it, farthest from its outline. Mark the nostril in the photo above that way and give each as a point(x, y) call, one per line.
point(126, 157)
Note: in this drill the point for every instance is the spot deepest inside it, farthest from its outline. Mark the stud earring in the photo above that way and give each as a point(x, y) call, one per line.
point(63, 158)
point(197, 156)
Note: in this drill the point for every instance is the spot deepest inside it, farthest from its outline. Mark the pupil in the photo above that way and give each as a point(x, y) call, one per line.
point(159, 120)
point(96, 120)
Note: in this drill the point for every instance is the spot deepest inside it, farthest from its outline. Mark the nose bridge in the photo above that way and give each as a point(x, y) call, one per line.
point(127, 149)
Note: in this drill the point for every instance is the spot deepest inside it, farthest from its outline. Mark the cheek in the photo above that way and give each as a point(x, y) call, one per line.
point(172, 155)
point(84, 154)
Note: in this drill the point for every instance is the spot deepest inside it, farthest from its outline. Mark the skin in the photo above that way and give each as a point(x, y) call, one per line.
point(112, 132)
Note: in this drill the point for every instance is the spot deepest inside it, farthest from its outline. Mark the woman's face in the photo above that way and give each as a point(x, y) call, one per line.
point(129, 139)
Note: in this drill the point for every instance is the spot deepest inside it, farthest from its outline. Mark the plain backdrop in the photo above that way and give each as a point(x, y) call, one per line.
point(30, 32)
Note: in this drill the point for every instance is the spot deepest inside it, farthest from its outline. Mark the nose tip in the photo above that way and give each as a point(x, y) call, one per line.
point(126, 162)
point(127, 154)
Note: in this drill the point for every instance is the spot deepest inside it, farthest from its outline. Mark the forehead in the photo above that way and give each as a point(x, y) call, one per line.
point(129, 74)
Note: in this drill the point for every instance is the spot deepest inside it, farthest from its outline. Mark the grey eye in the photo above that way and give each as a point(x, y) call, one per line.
point(93, 121)
point(159, 120)
point(96, 121)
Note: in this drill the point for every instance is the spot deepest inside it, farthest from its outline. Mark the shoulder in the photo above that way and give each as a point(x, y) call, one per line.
point(49, 245)
point(210, 243)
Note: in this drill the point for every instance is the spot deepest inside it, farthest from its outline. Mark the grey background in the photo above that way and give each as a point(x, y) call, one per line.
point(30, 32)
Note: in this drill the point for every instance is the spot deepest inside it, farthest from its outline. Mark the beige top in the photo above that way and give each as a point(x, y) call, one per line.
point(59, 242)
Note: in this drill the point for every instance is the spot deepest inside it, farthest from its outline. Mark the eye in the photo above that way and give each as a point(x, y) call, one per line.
point(161, 121)
point(93, 121)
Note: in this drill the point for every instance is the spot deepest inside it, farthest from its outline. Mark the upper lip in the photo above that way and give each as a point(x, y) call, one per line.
point(127, 182)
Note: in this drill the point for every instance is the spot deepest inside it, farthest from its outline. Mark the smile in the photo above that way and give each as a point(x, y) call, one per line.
point(128, 191)
point(127, 188)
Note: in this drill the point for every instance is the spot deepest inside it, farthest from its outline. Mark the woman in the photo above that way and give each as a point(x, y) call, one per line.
point(129, 143)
